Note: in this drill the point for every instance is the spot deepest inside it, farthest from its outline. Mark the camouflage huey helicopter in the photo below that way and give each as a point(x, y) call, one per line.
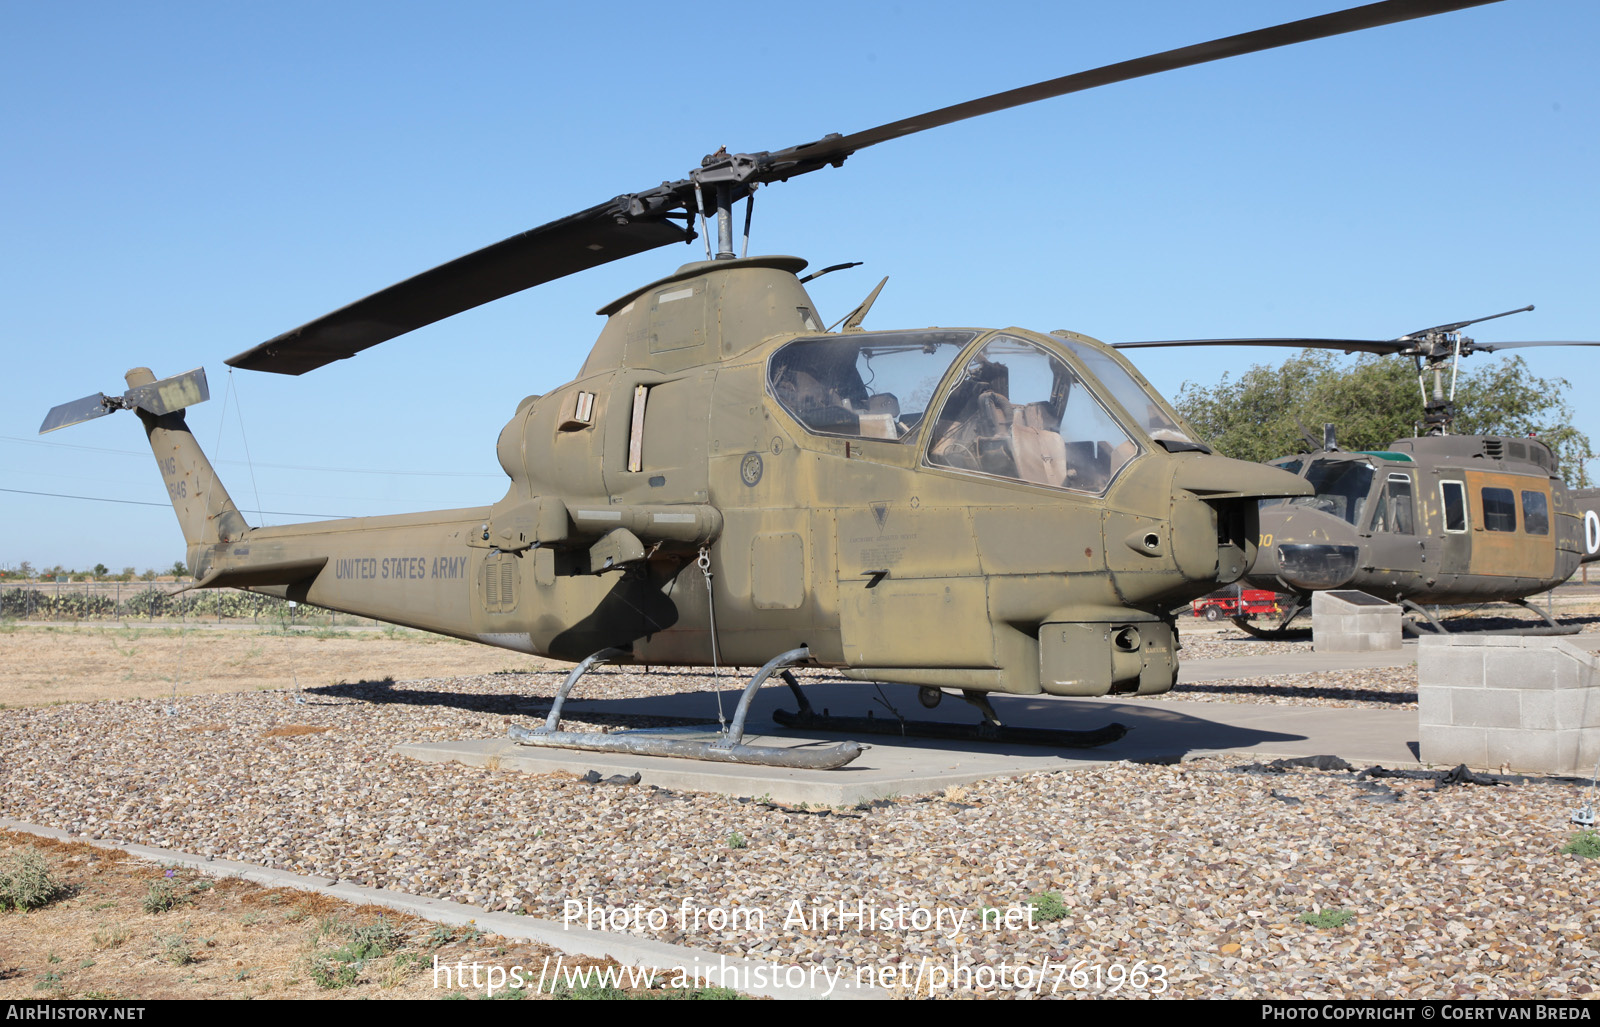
point(728, 482)
point(1433, 519)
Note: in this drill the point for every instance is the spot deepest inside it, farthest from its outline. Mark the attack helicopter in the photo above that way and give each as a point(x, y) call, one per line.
point(1435, 519)
point(728, 482)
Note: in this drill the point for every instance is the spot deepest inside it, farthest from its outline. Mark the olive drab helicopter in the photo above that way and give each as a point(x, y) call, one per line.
point(727, 482)
point(1435, 519)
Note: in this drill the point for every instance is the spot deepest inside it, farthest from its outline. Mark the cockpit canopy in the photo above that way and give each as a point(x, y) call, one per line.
point(1009, 408)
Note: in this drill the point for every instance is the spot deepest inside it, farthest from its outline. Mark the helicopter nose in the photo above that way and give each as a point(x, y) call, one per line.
point(1313, 567)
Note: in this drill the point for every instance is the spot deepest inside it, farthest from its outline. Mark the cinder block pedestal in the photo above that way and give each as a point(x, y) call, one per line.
point(1346, 621)
point(1532, 704)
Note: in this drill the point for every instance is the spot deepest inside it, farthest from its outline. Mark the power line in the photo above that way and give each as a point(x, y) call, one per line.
point(281, 467)
point(140, 502)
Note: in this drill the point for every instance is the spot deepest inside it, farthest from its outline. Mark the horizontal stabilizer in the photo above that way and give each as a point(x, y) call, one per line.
point(277, 572)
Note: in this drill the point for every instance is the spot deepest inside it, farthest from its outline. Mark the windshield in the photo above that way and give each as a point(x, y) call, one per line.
point(1021, 413)
point(1342, 488)
point(1125, 389)
point(867, 385)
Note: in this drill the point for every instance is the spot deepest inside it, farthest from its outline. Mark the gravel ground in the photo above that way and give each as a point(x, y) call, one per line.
point(1200, 870)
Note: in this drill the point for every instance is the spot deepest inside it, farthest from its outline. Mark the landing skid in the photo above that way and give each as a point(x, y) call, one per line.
point(1551, 627)
point(729, 748)
point(989, 730)
point(1281, 633)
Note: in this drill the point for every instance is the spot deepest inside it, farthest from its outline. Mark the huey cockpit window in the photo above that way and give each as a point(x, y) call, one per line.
point(1342, 487)
point(864, 385)
point(1453, 498)
point(1020, 412)
point(1393, 511)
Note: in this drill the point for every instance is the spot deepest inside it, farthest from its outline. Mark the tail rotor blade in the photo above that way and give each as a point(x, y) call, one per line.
point(169, 394)
point(78, 411)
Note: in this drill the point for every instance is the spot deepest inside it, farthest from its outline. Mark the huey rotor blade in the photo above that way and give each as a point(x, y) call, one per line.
point(1347, 345)
point(587, 239)
point(1490, 347)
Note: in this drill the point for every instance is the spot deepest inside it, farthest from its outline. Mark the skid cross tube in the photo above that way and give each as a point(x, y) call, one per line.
point(735, 735)
point(552, 723)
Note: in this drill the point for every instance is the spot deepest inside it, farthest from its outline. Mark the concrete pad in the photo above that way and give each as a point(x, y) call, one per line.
point(1157, 730)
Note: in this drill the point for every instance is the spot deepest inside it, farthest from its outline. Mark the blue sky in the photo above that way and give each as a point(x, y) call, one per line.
point(182, 181)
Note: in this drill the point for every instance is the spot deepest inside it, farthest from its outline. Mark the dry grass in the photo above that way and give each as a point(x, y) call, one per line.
point(40, 665)
point(222, 939)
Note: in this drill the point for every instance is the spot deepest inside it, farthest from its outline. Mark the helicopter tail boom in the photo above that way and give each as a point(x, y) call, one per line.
point(206, 513)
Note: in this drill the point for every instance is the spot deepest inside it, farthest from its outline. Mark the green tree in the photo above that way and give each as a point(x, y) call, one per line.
point(1374, 400)
point(179, 569)
point(100, 570)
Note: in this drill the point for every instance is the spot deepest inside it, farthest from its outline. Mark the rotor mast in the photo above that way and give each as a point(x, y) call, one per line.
point(1430, 349)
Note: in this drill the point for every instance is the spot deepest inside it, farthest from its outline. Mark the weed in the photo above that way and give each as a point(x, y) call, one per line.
point(407, 960)
point(736, 841)
point(48, 982)
point(255, 916)
point(439, 937)
point(110, 936)
point(161, 898)
point(1327, 919)
point(26, 882)
point(175, 949)
point(714, 994)
point(765, 798)
point(1584, 845)
point(470, 933)
point(86, 964)
point(1048, 907)
point(333, 973)
point(602, 992)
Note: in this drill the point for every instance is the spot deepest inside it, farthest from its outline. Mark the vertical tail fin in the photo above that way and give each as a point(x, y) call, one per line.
point(206, 514)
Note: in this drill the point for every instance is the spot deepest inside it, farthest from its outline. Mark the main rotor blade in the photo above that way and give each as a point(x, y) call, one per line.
point(810, 156)
point(1347, 345)
point(587, 239)
point(634, 223)
point(1490, 347)
point(1458, 325)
